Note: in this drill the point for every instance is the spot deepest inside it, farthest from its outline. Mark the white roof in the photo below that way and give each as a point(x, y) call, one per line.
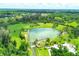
point(70, 47)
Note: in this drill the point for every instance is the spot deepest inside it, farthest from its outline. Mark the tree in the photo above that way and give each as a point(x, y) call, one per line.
point(62, 51)
point(5, 37)
point(47, 43)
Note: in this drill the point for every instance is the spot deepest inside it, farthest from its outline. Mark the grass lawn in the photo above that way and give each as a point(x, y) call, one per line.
point(42, 52)
point(42, 25)
point(16, 28)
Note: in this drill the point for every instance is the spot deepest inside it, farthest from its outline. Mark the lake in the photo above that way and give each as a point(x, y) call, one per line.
point(42, 33)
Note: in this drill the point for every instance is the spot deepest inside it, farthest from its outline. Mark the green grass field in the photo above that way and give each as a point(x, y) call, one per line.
point(42, 52)
point(16, 28)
